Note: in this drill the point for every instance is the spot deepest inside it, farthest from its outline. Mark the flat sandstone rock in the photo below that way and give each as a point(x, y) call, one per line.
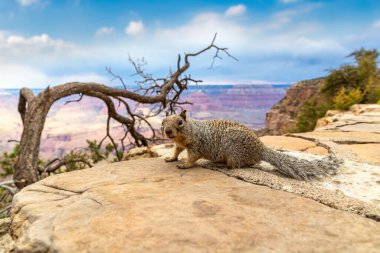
point(366, 152)
point(292, 143)
point(148, 205)
point(341, 137)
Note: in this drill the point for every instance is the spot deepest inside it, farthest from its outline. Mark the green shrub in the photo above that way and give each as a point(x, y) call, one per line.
point(97, 153)
point(309, 114)
point(372, 90)
point(76, 161)
point(352, 84)
point(8, 160)
point(345, 77)
point(343, 99)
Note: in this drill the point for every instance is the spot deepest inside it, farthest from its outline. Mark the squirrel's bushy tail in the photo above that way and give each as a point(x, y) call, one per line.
point(300, 168)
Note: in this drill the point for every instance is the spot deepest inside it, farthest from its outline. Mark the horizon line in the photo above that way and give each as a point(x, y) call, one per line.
point(190, 84)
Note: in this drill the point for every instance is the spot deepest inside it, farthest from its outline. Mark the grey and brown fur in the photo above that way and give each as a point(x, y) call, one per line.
point(236, 145)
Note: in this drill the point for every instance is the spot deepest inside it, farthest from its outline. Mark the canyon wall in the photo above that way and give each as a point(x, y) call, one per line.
point(282, 116)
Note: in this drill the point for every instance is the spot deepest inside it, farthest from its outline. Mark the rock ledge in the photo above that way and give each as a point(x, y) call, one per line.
point(149, 205)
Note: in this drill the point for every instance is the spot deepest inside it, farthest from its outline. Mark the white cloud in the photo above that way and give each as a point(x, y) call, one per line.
point(16, 48)
point(368, 37)
point(319, 45)
point(11, 41)
point(15, 75)
point(235, 10)
point(245, 39)
point(135, 28)
point(199, 31)
point(27, 2)
point(376, 24)
point(19, 75)
point(280, 19)
point(103, 31)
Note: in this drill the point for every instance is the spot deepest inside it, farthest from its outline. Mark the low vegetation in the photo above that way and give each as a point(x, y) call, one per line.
point(357, 83)
point(310, 112)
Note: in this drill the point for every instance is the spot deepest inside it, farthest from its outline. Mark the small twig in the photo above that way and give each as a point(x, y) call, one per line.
point(6, 209)
point(17, 141)
point(76, 100)
point(114, 77)
point(11, 190)
point(7, 182)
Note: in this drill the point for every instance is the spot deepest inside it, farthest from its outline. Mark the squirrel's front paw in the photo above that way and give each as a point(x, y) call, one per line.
point(171, 159)
point(182, 166)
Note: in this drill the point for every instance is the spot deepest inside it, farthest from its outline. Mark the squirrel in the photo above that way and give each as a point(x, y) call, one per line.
point(236, 145)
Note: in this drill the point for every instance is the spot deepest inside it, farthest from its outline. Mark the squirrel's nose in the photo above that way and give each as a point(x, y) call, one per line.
point(168, 131)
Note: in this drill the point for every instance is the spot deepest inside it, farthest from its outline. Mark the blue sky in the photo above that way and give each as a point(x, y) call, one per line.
point(46, 42)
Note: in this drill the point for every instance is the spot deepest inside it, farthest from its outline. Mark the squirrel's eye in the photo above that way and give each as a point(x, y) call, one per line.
point(180, 123)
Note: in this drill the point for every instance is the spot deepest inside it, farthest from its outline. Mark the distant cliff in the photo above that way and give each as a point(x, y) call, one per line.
point(282, 116)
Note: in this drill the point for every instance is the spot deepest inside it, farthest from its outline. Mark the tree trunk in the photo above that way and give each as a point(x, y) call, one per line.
point(34, 120)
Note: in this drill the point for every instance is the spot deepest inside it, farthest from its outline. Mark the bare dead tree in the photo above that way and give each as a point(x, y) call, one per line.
point(161, 93)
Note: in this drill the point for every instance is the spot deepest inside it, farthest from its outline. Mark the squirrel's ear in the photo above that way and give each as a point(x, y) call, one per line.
point(183, 114)
point(167, 113)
